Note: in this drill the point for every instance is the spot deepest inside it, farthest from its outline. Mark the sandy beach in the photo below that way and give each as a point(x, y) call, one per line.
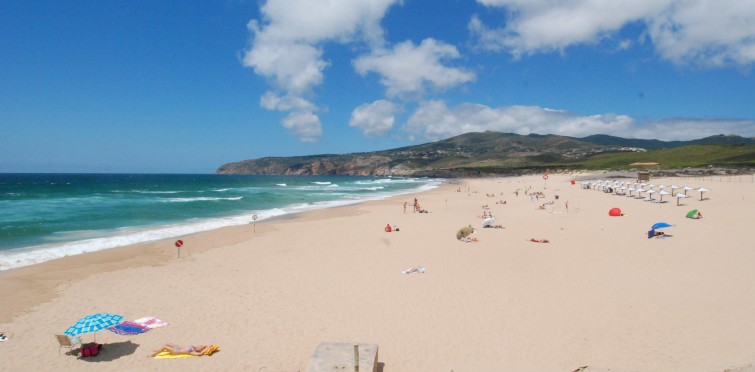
point(599, 294)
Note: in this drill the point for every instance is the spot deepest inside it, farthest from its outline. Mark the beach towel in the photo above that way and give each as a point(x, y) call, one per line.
point(128, 328)
point(167, 355)
point(150, 322)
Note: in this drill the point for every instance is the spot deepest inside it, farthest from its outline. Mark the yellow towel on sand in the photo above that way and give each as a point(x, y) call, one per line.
point(168, 355)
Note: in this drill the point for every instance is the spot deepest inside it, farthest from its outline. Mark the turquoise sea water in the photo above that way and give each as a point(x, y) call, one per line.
point(48, 216)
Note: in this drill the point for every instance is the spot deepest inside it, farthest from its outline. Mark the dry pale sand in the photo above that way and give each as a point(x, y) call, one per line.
point(600, 294)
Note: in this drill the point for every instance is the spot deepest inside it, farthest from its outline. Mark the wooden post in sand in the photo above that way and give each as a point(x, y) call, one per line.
point(356, 358)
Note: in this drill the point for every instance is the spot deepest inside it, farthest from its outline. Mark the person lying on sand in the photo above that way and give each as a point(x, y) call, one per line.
point(467, 239)
point(539, 240)
point(661, 234)
point(178, 350)
point(499, 226)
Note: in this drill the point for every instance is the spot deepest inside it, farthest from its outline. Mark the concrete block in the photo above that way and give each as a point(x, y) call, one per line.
point(344, 357)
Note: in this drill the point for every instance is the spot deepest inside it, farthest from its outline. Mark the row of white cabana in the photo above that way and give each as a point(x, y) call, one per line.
point(627, 188)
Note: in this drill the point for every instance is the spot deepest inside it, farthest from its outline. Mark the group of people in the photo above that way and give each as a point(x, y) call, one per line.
point(536, 195)
point(417, 208)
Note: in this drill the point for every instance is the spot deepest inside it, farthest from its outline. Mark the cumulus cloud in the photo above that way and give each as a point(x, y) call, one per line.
point(712, 32)
point(434, 120)
point(407, 70)
point(305, 124)
point(374, 119)
point(286, 49)
point(301, 120)
point(699, 32)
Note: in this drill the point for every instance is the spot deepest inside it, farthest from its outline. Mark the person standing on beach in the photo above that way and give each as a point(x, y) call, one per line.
point(405, 203)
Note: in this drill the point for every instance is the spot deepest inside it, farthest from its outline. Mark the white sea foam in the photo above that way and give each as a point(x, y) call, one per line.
point(150, 191)
point(100, 240)
point(202, 198)
point(281, 184)
point(322, 183)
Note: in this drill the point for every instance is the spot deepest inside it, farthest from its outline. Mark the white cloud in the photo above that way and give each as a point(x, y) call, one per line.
point(706, 32)
point(374, 119)
point(406, 70)
point(286, 48)
point(272, 101)
point(688, 128)
point(699, 32)
point(305, 124)
point(434, 120)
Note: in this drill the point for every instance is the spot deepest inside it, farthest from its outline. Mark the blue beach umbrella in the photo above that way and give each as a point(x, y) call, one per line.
point(93, 323)
point(660, 225)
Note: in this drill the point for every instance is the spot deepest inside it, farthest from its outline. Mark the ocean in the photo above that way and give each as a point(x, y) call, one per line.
point(48, 216)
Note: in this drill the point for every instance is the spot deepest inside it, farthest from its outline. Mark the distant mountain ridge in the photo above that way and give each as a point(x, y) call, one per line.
point(469, 151)
point(720, 139)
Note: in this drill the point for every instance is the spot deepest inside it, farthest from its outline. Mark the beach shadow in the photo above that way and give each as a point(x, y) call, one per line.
point(113, 351)
point(380, 367)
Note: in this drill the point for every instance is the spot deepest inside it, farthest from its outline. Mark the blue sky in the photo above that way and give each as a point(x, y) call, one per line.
point(185, 86)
